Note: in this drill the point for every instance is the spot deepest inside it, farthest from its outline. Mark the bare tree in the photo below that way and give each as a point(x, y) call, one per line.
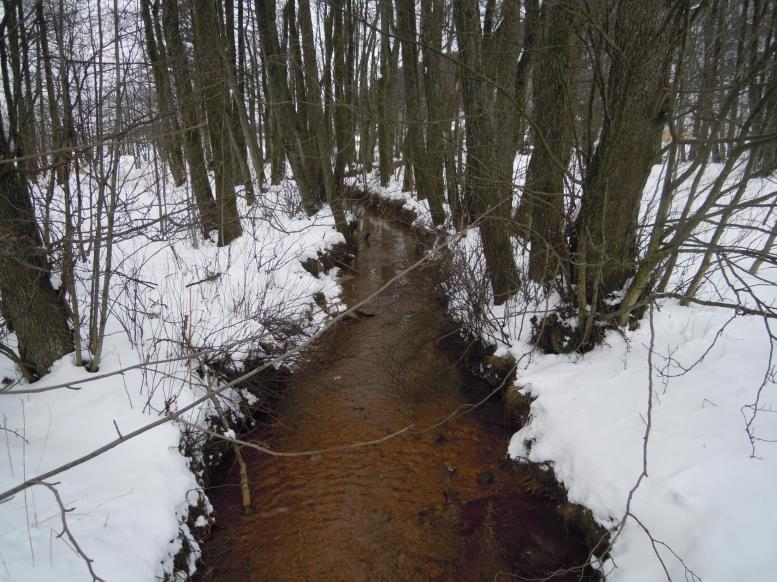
point(192, 137)
point(637, 103)
point(542, 203)
point(489, 59)
point(207, 38)
point(30, 305)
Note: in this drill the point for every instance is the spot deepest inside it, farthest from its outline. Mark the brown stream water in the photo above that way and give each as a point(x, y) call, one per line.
point(431, 504)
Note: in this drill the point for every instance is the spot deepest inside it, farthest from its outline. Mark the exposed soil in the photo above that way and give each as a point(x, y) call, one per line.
point(434, 503)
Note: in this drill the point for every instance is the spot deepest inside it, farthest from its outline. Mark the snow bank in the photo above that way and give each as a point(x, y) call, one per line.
point(130, 505)
point(705, 496)
point(394, 193)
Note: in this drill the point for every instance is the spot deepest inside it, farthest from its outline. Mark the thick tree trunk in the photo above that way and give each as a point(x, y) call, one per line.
point(366, 105)
point(451, 82)
point(524, 70)
point(386, 134)
point(192, 137)
point(342, 79)
point(19, 48)
point(344, 55)
point(275, 148)
point(30, 305)
point(238, 135)
point(432, 15)
point(58, 159)
point(207, 38)
point(766, 153)
point(489, 166)
point(501, 47)
point(333, 193)
point(286, 124)
point(247, 136)
point(414, 150)
point(306, 127)
point(710, 71)
point(543, 193)
point(638, 98)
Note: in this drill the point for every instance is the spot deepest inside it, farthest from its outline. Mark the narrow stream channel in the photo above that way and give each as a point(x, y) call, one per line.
point(432, 504)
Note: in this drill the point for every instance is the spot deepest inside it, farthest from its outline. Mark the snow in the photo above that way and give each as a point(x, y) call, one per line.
point(707, 499)
point(393, 192)
point(130, 505)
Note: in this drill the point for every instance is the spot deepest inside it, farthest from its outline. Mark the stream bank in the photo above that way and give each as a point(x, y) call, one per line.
point(439, 501)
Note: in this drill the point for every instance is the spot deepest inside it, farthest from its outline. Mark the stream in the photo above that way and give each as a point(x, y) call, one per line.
point(434, 503)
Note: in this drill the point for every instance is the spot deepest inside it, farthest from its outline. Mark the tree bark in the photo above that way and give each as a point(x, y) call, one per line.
point(58, 159)
point(30, 305)
point(525, 67)
point(487, 62)
point(306, 127)
point(207, 38)
point(342, 108)
point(636, 109)
point(289, 127)
point(437, 117)
point(169, 141)
point(543, 192)
point(333, 194)
point(366, 105)
point(386, 134)
point(192, 137)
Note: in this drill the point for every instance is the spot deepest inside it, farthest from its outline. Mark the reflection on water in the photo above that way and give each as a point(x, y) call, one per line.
point(431, 504)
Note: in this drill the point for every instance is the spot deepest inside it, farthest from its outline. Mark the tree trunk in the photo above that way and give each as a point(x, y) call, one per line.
point(342, 108)
point(306, 128)
point(524, 69)
point(286, 123)
point(543, 193)
point(413, 149)
point(192, 137)
point(488, 190)
point(58, 159)
point(25, 100)
point(434, 148)
point(30, 305)
point(366, 104)
point(333, 194)
point(240, 132)
point(343, 53)
point(207, 38)
point(638, 98)
point(710, 71)
point(168, 125)
point(385, 91)
point(275, 149)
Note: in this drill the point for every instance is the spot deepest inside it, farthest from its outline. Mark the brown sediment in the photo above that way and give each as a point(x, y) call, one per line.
point(434, 503)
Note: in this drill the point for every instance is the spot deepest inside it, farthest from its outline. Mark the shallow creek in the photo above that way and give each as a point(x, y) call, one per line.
point(434, 503)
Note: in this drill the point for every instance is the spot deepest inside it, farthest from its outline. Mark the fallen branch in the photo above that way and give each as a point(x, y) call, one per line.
point(66, 530)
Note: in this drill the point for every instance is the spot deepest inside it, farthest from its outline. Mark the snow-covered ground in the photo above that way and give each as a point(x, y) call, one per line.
point(394, 193)
point(707, 499)
point(172, 289)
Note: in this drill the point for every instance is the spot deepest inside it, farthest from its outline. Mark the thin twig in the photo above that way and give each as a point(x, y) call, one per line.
point(66, 530)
